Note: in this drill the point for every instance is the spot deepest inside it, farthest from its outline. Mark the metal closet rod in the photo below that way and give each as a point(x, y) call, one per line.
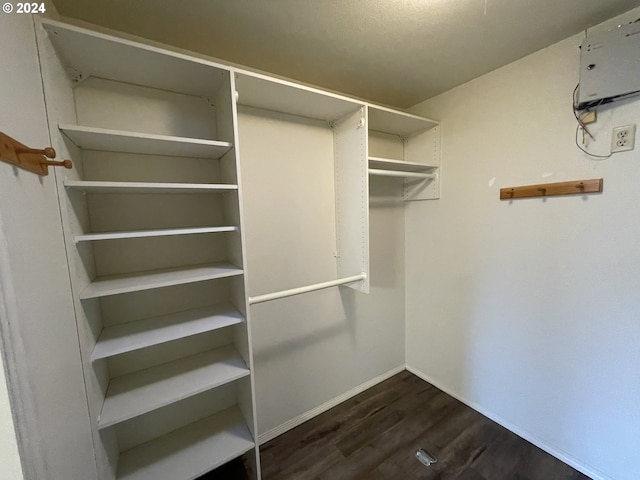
point(309, 288)
point(396, 173)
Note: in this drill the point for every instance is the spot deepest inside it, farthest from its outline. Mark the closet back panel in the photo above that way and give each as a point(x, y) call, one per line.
point(164, 420)
point(121, 106)
point(114, 212)
point(143, 254)
point(128, 307)
point(288, 166)
point(424, 147)
point(385, 145)
point(128, 167)
point(167, 352)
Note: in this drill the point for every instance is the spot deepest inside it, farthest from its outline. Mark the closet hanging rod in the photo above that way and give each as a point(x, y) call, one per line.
point(396, 173)
point(309, 288)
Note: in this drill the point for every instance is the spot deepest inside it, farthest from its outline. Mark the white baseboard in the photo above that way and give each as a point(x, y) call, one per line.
point(550, 449)
point(294, 422)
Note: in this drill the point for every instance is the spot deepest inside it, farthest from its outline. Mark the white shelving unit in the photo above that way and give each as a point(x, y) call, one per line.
point(103, 139)
point(165, 232)
point(405, 146)
point(146, 187)
point(148, 332)
point(92, 54)
point(135, 282)
point(402, 124)
point(153, 221)
point(137, 393)
point(384, 167)
point(154, 227)
point(186, 452)
point(390, 165)
point(268, 93)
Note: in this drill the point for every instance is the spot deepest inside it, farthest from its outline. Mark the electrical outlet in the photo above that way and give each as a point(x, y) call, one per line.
point(623, 138)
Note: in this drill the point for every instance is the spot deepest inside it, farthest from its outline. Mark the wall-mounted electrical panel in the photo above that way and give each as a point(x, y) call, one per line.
point(609, 66)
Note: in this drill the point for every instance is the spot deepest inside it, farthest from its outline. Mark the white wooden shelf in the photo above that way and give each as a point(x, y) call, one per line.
point(134, 282)
point(87, 53)
point(146, 187)
point(165, 232)
point(132, 336)
point(260, 91)
point(190, 451)
point(403, 124)
point(398, 165)
point(141, 392)
point(92, 138)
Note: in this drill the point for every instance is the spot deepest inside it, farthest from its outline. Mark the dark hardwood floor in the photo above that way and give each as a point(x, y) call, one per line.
point(376, 434)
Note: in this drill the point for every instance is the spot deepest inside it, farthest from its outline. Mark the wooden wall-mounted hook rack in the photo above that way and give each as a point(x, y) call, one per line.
point(34, 160)
point(575, 187)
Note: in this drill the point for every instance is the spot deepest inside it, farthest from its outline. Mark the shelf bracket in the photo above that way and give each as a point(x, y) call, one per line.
point(76, 76)
point(31, 159)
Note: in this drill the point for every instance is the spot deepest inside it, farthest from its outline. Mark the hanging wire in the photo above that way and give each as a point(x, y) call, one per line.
point(582, 125)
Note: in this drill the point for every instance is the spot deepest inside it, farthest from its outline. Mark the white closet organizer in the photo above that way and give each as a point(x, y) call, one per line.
point(346, 119)
point(405, 146)
point(154, 231)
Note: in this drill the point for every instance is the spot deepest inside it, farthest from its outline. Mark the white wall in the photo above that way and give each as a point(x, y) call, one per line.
point(311, 349)
point(9, 458)
point(529, 310)
point(37, 322)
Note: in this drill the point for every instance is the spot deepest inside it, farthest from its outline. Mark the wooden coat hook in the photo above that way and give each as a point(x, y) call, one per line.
point(32, 159)
point(550, 189)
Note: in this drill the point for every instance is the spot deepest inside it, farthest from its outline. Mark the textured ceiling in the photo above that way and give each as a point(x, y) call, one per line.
point(395, 52)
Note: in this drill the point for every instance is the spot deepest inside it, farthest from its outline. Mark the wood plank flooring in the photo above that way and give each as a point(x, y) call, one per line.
point(376, 434)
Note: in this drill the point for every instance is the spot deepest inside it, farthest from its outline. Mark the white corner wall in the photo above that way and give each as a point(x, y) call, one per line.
point(37, 322)
point(9, 457)
point(529, 310)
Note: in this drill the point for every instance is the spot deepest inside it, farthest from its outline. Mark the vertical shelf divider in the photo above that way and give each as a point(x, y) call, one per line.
point(352, 197)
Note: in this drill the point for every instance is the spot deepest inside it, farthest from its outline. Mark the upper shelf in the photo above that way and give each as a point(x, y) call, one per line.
point(403, 124)
point(146, 187)
point(399, 165)
point(92, 138)
point(255, 90)
point(91, 54)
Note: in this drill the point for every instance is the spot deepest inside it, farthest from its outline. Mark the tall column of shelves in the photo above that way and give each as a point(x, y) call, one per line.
point(407, 147)
point(154, 233)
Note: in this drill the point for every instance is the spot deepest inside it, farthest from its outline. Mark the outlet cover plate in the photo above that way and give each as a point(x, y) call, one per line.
point(623, 138)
